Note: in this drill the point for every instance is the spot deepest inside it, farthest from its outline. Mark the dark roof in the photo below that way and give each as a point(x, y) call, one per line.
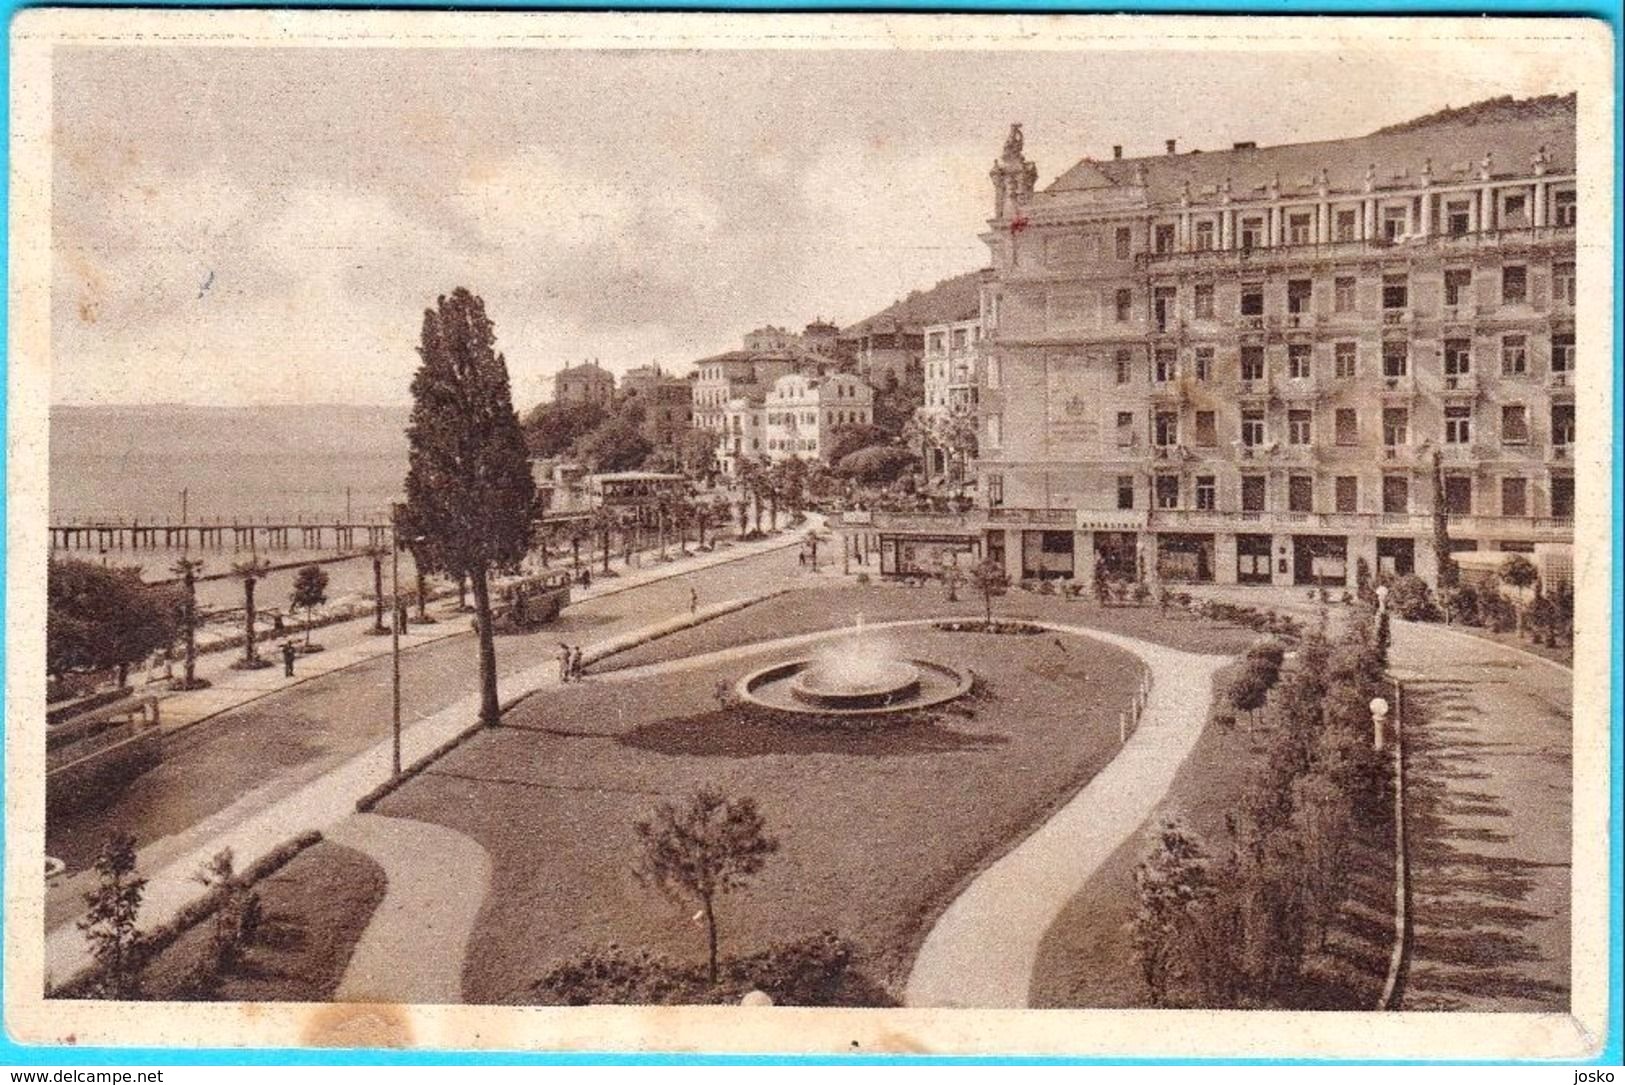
point(1455, 142)
point(958, 298)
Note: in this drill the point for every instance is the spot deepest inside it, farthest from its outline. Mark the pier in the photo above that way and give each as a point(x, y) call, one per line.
point(108, 536)
point(245, 535)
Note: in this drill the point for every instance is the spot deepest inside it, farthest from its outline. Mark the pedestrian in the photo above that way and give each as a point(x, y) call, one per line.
point(802, 557)
point(564, 662)
point(576, 673)
point(693, 600)
point(586, 578)
point(287, 658)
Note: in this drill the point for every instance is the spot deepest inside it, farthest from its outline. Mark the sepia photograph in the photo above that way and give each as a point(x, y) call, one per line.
point(884, 534)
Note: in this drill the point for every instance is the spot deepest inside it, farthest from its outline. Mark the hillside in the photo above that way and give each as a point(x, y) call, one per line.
point(951, 299)
point(1490, 111)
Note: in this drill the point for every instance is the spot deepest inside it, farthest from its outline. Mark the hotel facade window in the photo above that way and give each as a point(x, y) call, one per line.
point(1344, 356)
point(1514, 284)
point(1514, 355)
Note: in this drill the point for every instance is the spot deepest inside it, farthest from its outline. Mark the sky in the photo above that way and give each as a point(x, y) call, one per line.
point(257, 226)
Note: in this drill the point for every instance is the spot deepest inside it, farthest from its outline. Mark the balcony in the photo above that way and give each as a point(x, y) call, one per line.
point(1354, 248)
point(1302, 320)
point(1461, 313)
point(1392, 318)
point(1560, 381)
point(1460, 385)
point(1560, 454)
point(1402, 387)
point(1539, 528)
point(1037, 517)
point(1301, 388)
point(1259, 386)
point(1251, 323)
point(1319, 522)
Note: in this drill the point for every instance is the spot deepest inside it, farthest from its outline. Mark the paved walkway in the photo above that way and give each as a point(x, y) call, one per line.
point(1489, 733)
point(983, 949)
point(412, 951)
point(263, 818)
point(350, 643)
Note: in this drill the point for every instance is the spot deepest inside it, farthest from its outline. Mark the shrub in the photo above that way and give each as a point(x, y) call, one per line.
point(1046, 587)
point(809, 971)
point(1497, 612)
point(1460, 604)
point(1142, 592)
point(1412, 600)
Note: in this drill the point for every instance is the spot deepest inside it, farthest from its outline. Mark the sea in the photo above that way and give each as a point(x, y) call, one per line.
point(283, 464)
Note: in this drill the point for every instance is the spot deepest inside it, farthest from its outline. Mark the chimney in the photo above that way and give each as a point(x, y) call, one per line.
point(1117, 150)
point(1170, 145)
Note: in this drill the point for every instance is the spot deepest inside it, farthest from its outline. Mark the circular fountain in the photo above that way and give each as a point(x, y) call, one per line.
point(855, 677)
point(874, 685)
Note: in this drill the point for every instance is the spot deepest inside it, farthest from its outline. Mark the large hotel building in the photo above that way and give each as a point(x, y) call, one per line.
point(1264, 364)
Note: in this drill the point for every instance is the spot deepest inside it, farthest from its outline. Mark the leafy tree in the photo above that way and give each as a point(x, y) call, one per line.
point(1250, 690)
point(310, 592)
point(616, 445)
point(896, 400)
point(100, 617)
point(1519, 571)
point(989, 579)
point(469, 488)
point(847, 439)
point(551, 429)
point(1175, 884)
point(707, 848)
point(112, 909)
point(1442, 552)
point(878, 465)
point(237, 918)
point(696, 451)
point(957, 433)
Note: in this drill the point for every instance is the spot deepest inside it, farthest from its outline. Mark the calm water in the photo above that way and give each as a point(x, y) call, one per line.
point(315, 464)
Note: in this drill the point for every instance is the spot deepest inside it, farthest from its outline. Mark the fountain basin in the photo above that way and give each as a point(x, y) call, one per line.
point(812, 687)
point(881, 683)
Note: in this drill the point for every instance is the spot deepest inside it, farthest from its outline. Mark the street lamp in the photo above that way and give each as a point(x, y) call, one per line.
point(397, 618)
point(1379, 713)
point(1382, 598)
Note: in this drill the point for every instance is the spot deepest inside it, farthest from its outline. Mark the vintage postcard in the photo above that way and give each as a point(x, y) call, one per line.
point(812, 534)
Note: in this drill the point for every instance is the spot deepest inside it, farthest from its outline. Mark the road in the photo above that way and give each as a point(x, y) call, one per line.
point(228, 768)
point(1489, 735)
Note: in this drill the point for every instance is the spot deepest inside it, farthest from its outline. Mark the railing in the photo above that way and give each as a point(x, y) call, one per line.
point(1342, 522)
point(1331, 250)
point(1031, 516)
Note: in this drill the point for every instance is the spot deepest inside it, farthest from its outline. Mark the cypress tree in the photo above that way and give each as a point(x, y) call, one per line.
point(470, 497)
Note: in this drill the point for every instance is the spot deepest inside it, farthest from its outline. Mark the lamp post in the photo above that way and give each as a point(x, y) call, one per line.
point(395, 638)
point(1379, 713)
point(1382, 598)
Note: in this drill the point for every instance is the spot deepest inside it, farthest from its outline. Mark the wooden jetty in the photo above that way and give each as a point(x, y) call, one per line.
point(107, 537)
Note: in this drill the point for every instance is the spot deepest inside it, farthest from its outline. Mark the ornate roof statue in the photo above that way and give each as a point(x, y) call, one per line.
point(1014, 143)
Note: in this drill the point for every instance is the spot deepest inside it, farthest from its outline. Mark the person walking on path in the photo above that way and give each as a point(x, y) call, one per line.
point(576, 673)
point(693, 600)
point(287, 659)
point(564, 662)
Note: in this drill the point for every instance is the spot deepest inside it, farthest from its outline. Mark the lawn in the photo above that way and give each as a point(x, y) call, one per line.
point(878, 831)
point(844, 604)
point(1087, 958)
point(315, 910)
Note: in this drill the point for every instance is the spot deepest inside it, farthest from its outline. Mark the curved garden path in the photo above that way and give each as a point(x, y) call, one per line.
point(412, 951)
point(983, 949)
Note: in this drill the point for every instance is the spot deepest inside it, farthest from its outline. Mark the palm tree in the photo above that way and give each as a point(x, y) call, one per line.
point(377, 554)
point(603, 521)
point(187, 569)
point(250, 572)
